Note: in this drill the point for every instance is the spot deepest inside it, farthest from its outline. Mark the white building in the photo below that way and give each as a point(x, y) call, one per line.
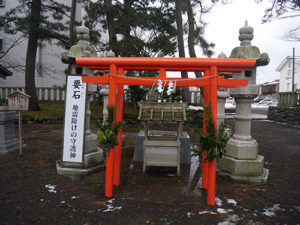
point(49, 68)
point(286, 72)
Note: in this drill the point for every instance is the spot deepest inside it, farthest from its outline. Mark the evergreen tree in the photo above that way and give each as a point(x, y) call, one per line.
point(39, 21)
point(135, 27)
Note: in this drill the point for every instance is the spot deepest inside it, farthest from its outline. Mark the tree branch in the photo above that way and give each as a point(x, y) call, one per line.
point(16, 42)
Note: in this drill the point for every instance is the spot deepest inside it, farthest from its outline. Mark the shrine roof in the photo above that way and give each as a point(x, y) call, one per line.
point(162, 111)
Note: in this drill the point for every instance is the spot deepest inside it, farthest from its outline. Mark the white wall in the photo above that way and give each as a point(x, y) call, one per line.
point(286, 76)
point(49, 57)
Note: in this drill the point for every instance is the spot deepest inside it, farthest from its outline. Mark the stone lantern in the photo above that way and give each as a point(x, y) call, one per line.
point(242, 161)
point(222, 95)
point(105, 91)
point(92, 154)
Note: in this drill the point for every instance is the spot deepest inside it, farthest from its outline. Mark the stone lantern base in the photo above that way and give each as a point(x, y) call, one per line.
point(260, 179)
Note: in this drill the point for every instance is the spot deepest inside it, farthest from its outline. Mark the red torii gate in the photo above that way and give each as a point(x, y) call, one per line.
point(116, 81)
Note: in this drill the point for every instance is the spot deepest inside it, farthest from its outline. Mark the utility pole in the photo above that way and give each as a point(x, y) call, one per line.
point(293, 70)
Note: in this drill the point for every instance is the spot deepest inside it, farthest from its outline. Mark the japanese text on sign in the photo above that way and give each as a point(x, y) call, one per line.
point(74, 120)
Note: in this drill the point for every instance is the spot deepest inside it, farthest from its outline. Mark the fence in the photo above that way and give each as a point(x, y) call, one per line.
point(58, 94)
point(289, 99)
point(43, 94)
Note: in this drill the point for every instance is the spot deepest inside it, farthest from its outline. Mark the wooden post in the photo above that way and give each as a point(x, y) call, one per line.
point(110, 154)
point(119, 118)
point(213, 88)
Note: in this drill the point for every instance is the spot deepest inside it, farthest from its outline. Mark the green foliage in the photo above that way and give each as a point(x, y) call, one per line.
point(135, 93)
point(50, 26)
point(212, 143)
point(108, 132)
point(146, 28)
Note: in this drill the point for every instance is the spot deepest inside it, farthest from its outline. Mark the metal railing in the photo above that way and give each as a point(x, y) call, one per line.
point(289, 99)
point(43, 94)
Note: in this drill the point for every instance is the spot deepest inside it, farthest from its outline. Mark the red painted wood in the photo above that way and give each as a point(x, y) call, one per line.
point(119, 118)
point(213, 106)
point(110, 156)
point(204, 163)
point(165, 62)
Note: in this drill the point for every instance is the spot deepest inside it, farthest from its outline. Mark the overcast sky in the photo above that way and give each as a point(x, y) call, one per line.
point(224, 22)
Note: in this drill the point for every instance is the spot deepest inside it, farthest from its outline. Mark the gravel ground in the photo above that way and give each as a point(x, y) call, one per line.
point(31, 192)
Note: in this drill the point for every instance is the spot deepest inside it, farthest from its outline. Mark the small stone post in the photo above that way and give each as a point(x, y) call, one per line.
point(222, 95)
point(104, 91)
point(242, 162)
point(93, 155)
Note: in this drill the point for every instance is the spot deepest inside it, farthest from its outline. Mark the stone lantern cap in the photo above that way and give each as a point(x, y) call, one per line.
point(246, 34)
point(248, 51)
point(82, 48)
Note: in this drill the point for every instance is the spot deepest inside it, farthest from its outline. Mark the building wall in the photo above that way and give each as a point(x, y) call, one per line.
point(286, 76)
point(269, 90)
point(49, 68)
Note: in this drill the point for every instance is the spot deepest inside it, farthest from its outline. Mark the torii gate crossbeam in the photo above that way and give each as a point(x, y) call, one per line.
point(116, 81)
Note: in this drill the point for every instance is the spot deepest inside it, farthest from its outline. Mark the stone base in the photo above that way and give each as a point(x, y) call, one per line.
point(261, 179)
point(90, 143)
point(92, 162)
point(242, 167)
point(76, 173)
point(93, 158)
point(242, 149)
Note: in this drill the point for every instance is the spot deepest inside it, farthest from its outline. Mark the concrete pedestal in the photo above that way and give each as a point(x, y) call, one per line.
point(8, 140)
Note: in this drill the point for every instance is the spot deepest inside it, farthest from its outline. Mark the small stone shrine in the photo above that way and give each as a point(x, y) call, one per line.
point(162, 148)
point(92, 154)
point(242, 162)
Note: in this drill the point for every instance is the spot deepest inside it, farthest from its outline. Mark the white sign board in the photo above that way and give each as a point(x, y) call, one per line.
point(74, 120)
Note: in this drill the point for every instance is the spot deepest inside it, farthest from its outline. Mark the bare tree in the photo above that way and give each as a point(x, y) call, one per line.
point(284, 9)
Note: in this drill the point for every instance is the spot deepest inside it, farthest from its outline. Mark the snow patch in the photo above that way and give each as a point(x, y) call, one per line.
point(191, 107)
point(231, 219)
point(218, 201)
point(206, 212)
point(223, 211)
point(231, 201)
point(131, 166)
point(190, 214)
point(51, 188)
point(110, 207)
point(111, 201)
point(271, 211)
point(226, 223)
